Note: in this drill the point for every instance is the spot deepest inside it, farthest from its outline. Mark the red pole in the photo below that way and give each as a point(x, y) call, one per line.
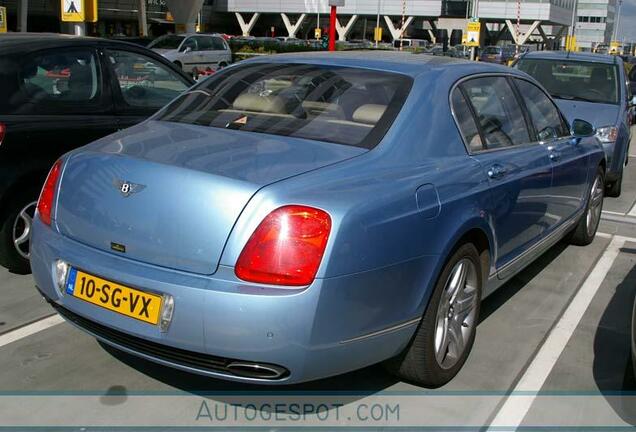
point(332, 29)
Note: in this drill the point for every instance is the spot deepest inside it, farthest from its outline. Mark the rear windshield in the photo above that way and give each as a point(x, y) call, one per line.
point(492, 50)
point(167, 42)
point(343, 105)
point(575, 80)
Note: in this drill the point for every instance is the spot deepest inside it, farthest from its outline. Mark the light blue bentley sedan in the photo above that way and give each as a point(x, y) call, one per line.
point(300, 216)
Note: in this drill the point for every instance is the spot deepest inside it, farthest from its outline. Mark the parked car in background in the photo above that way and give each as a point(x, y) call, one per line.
point(194, 53)
point(363, 43)
point(57, 93)
point(631, 87)
point(462, 51)
point(591, 87)
point(287, 219)
point(501, 54)
point(411, 43)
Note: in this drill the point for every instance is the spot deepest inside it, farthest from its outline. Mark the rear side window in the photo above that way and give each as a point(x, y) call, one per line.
point(217, 44)
point(466, 121)
point(544, 114)
point(499, 115)
point(61, 77)
point(143, 81)
point(343, 105)
point(204, 43)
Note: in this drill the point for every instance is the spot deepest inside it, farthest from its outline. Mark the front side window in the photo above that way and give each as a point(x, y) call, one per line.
point(218, 44)
point(204, 43)
point(575, 79)
point(65, 77)
point(189, 44)
point(327, 103)
point(144, 82)
point(499, 115)
point(544, 114)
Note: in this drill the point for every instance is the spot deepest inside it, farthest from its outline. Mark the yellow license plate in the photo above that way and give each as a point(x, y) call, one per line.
point(113, 296)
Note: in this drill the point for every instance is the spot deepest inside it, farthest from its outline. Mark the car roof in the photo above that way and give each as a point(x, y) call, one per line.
point(27, 42)
point(565, 55)
point(392, 61)
point(194, 34)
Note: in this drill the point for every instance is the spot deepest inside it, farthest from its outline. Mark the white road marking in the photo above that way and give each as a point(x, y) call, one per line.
point(515, 408)
point(30, 329)
point(632, 212)
point(603, 235)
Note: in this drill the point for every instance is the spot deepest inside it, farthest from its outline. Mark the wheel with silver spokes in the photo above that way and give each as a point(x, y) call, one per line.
point(22, 229)
point(585, 230)
point(595, 207)
point(455, 320)
point(446, 333)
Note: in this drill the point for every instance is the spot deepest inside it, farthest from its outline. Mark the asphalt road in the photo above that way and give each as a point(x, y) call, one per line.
point(552, 348)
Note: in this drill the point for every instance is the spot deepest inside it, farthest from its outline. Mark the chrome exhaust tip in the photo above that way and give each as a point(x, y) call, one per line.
point(257, 370)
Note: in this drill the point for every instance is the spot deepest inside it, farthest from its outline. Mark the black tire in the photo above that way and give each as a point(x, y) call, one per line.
point(418, 363)
point(585, 230)
point(9, 255)
point(614, 190)
point(179, 65)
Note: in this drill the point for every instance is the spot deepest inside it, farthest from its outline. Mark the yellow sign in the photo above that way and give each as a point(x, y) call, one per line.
point(473, 30)
point(377, 34)
point(91, 10)
point(615, 48)
point(73, 10)
point(317, 33)
point(3, 19)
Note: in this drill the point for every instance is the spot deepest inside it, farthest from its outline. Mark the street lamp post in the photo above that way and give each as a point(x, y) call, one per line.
point(572, 25)
point(377, 24)
point(618, 20)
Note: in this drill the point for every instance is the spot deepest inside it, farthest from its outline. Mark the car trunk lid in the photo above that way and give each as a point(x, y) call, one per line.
point(169, 194)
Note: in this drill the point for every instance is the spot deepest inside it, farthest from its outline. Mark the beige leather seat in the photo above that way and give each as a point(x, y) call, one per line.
point(369, 113)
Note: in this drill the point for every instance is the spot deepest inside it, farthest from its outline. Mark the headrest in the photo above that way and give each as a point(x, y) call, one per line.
point(369, 113)
point(257, 103)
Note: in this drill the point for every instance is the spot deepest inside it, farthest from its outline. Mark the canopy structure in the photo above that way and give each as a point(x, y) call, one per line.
point(185, 13)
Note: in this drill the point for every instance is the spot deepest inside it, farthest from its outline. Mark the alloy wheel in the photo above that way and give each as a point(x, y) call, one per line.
point(596, 205)
point(22, 229)
point(456, 313)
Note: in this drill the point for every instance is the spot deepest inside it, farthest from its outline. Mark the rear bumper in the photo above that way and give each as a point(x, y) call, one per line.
point(333, 326)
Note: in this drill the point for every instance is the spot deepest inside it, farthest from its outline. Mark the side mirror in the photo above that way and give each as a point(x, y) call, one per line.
point(633, 101)
point(186, 50)
point(582, 129)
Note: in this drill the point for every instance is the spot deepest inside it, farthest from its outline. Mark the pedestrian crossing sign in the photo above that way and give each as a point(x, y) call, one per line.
point(73, 10)
point(473, 30)
point(3, 19)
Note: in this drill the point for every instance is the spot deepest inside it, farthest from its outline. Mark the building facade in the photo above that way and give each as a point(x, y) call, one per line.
point(595, 23)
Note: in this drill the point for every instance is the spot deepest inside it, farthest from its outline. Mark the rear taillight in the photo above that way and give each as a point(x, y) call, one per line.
point(3, 131)
point(47, 196)
point(286, 248)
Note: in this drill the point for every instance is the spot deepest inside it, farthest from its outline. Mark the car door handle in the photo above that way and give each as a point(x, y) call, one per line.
point(496, 171)
point(554, 154)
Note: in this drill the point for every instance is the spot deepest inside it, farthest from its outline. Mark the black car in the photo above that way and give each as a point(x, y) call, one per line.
point(57, 93)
